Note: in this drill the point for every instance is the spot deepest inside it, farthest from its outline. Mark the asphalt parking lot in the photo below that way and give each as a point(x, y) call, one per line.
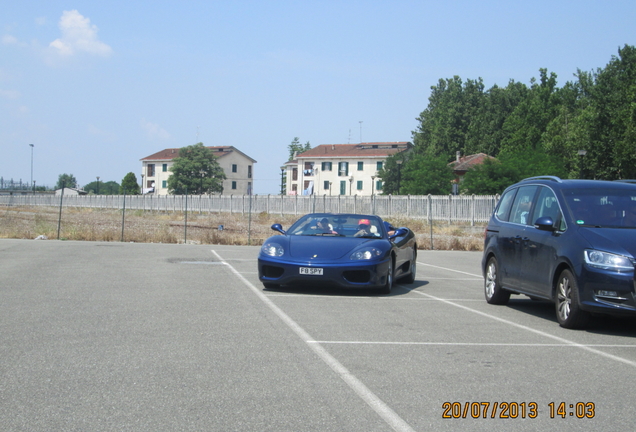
point(152, 337)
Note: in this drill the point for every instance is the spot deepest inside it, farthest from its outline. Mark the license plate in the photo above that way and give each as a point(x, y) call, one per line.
point(314, 271)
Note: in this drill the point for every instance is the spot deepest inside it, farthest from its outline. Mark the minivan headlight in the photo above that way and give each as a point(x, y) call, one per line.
point(608, 261)
point(366, 254)
point(272, 249)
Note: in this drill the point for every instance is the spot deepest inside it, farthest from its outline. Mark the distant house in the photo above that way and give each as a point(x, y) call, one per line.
point(237, 166)
point(70, 191)
point(340, 169)
point(462, 164)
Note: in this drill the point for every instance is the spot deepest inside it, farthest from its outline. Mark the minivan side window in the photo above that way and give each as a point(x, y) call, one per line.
point(522, 205)
point(503, 209)
point(547, 205)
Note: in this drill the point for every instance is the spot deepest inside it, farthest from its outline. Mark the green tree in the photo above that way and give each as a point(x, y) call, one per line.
point(424, 174)
point(525, 126)
point(102, 188)
point(195, 171)
point(493, 176)
point(609, 121)
point(129, 185)
point(297, 148)
point(66, 180)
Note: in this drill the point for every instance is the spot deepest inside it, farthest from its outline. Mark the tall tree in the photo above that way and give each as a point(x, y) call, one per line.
point(195, 171)
point(425, 175)
point(66, 180)
point(102, 188)
point(525, 126)
point(296, 148)
point(129, 185)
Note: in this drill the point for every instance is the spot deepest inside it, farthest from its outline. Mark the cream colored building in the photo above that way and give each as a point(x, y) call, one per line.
point(340, 169)
point(237, 166)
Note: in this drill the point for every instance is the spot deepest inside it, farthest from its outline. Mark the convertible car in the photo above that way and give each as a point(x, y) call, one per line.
point(345, 250)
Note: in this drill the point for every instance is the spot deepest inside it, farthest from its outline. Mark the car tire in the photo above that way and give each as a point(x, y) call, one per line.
point(568, 310)
point(493, 291)
point(388, 286)
point(410, 278)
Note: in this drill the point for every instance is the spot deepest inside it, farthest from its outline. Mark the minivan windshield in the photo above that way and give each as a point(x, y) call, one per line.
point(602, 207)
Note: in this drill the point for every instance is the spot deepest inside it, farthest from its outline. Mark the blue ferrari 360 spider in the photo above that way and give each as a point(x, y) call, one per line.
point(346, 250)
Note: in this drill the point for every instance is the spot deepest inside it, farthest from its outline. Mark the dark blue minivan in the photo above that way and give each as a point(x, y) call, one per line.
point(572, 242)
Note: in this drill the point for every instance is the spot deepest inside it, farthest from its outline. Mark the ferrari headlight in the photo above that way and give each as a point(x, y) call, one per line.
point(366, 254)
point(272, 249)
point(607, 260)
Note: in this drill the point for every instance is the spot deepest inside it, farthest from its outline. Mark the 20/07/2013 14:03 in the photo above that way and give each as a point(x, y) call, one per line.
point(516, 410)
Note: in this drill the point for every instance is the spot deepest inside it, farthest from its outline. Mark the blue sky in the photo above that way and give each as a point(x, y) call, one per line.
point(96, 86)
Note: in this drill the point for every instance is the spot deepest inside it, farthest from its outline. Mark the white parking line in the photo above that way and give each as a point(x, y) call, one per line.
point(382, 409)
point(530, 329)
point(566, 345)
point(450, 270)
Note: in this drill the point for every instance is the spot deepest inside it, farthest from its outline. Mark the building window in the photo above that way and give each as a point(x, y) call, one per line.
point(360, 166)
point(164, 167)
point(326, 166)
point(325, 185)
point(249, 188)
point(343, 187)
point(378, 165)
point(164, 184)
point(378, 185)
point(249, 171)
point(234, 168)
point(309, 169)
point(359, 183)
point(295, 174)
point(150, 171)
point(234, 185)
point(343, 169)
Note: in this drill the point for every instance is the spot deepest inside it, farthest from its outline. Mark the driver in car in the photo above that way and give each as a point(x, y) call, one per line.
point(324, 226)
point(364, 228)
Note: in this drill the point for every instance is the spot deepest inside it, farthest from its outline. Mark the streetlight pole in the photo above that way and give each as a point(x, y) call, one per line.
point(32, 145)
point(399, 165)
point(581, 154)
point(372, 200)
point(282, 172)
point(97, 186)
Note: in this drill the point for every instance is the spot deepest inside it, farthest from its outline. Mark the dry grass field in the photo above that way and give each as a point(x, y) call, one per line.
point(160, 227)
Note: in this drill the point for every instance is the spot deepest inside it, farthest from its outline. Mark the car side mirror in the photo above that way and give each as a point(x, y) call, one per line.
point(545, 223)
point(279, 228)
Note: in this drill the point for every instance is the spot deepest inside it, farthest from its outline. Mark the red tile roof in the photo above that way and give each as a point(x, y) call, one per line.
point(355, 150)
point(467, 162)
point(171, 153)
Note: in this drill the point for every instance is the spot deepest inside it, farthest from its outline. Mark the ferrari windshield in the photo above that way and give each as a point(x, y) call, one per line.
point(338, 225)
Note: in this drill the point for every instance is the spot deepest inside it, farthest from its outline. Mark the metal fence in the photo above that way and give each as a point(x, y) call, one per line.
point(451, 208)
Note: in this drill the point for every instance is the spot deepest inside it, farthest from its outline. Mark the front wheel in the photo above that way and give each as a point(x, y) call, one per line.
point(568, 311)
point(493, 291)
point(413, 270)
point(388, 286)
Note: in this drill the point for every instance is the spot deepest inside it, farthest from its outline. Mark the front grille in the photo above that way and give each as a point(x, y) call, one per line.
point(272, 271)
point(357, 276)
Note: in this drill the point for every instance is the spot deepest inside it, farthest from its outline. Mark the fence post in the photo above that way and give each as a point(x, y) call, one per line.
point(123, 216)
point(59, 219)
point(430, 217)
